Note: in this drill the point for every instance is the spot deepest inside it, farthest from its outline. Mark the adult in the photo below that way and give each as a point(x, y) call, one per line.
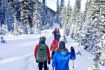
point(54, 46)
point(42, 54)
point(61, 58)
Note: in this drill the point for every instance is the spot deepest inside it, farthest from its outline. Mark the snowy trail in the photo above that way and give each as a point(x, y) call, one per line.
point(24, 59)
point(83, 61)
point(25, 62)
point(18, 46)
point(17, 53)
point(12, 59)
point(20, 56)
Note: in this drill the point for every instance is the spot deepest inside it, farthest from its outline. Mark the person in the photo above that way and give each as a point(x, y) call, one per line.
point(58, 36)
point(2, 39)
point(61, 58)
point(64, 39)
point(58, 30)
point(42, 54)
point(73, 55)
point(54, 46)
point(54, 32)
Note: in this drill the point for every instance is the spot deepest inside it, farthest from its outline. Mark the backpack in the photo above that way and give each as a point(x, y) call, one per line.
point(41, 54)
point(58, 36)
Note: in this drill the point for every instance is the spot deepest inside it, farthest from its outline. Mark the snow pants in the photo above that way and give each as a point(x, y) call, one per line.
point(42, 64)
point(52, 54)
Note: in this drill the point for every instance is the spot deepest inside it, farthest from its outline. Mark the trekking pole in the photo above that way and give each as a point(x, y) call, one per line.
point(53, 69)
point(73, 64)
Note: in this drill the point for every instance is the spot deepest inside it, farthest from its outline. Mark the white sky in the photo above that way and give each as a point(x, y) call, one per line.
point(52, 4)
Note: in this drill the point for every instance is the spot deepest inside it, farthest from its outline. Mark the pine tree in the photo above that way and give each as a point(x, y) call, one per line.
point(37, 17)
point(76, 20)
point(68, 19)
point(57, 6)
point(15, 22)
point(57, 20)
point(102, 57)
point(31, 10)
point(62, 14)
point(43, 14)
point(93, 36)
point(77, 8)
point(95, 66)
point(2, 17)
point(18, 10)
point(25, 15)
point(15, 26)
point(9, 11)
point(91, 8)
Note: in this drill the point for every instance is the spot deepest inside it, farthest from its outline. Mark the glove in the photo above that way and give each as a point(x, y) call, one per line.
point(37, 61)
point(48, 62)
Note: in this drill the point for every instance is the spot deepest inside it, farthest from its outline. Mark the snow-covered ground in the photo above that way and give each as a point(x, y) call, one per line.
point(17, 52)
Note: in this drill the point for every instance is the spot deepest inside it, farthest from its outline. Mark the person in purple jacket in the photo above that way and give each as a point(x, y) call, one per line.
point(61, 58)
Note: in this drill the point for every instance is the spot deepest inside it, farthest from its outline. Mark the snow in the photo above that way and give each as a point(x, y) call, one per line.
point(17, 52)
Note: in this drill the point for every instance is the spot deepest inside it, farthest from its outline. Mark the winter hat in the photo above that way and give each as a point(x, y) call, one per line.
point(62, 44)
point(43, 38)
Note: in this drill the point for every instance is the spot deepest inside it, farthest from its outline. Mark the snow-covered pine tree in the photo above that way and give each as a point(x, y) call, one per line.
point(15, 22)
point(94, 16)
point(2, 16)
point(37, 17)
point(57, 19)
point(102, 57)
point(25, 15)
point(62, 14)
point(9, 7)
point(3, 19)
point(43, 15)
point(93, 36)
point(95, 66)
point(68, 19)
point(31, 10)
point(77, 8)
point(57, 7)
point(18, 26)
point(30, 16)
point(15, 26)
point(91, 7)
point(18, 10)
point(76, 19)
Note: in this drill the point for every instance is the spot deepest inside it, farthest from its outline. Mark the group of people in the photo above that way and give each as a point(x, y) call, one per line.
point(56, 33)
point(60, 54)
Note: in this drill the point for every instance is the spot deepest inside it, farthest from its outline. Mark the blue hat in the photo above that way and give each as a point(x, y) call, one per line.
point(62, 44)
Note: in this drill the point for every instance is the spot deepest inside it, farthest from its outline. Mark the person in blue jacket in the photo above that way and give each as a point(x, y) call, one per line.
point(61, 58)
point(73, 55)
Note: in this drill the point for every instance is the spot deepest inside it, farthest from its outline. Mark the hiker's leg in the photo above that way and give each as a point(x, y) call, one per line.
point(40, 65)
point(45, 65)
point(52, 54)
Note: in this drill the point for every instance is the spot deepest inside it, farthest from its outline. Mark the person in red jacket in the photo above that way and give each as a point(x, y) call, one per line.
point(42, 54)
point(54, 46)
